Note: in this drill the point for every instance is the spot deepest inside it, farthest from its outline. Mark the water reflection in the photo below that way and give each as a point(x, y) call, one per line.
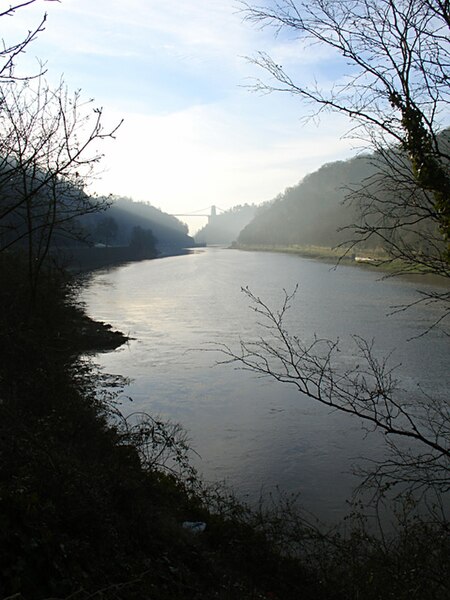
point(252, 432)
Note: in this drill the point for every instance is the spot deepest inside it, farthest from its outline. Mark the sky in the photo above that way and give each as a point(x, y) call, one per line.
point(178, 74)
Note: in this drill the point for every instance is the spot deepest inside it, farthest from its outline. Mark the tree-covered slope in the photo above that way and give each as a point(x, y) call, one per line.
point(124, 215)
point(371, 200)
point(313, 211)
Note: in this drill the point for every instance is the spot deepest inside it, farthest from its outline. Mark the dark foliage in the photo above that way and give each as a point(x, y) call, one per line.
point(170, 234)
point(82, 511)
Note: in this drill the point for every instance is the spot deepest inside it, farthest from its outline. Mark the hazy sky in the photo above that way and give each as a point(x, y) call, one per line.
point(175, 71)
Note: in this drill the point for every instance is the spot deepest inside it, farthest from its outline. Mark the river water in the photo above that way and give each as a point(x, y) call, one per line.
point(255, 433)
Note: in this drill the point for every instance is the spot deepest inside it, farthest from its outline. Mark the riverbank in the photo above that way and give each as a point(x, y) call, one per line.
point(334, 255)
point(372, 259)
point(85, 260)
point(93, 504)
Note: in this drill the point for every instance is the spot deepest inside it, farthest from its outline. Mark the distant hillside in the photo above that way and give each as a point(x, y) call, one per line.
point(115, 227)
point(126, 231)
point(312, 211)
point(317, 211)
point(62, 215)
point(225, 227)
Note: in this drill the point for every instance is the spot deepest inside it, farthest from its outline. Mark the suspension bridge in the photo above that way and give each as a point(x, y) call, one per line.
point(209, 211)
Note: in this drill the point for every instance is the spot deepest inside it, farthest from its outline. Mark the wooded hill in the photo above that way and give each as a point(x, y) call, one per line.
point(313, 211)
point(347, 201)
point(49, 215)
point(126, 231)
point(116, 225)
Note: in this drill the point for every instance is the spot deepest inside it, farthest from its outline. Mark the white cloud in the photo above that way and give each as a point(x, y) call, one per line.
point(202, 156)
point(97, 26)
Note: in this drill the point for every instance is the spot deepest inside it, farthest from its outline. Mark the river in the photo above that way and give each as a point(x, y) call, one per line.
point(255, 433)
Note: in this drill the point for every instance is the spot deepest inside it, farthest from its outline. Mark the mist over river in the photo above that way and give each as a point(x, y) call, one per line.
point(252, 432)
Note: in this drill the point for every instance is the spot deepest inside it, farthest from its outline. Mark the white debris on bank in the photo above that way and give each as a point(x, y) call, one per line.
point(365, 259)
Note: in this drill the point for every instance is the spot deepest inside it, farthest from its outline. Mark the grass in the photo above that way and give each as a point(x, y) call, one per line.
point(373, 258)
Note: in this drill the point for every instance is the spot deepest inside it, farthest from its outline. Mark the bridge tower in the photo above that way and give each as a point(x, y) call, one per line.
point(213, 214)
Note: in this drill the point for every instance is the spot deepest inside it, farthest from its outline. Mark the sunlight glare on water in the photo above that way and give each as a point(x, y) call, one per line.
point(252, 432)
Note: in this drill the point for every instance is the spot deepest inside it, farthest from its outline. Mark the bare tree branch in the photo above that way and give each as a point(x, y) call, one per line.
point(396, 93)
point(10, 52)
point(367, 390)
point(47, 158)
